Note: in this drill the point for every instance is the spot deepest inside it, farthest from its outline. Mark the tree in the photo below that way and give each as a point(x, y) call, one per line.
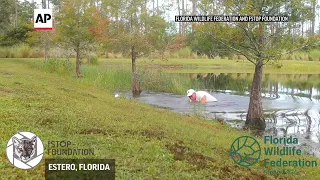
point(205, 44)
point(256, 42)
point(138, 34)
point(14, 36)
point(72, 26)
point(6, 10)
point(15, 25)
point(26, 12)
point(100, 30)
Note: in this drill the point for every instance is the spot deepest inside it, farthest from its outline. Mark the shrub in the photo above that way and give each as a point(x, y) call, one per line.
point(54, 65)
point(37, 53)
point(184, 52)
point(94, 60)
point(175, 55)
point(4, 53)
point(7, 53)
point(25, 51)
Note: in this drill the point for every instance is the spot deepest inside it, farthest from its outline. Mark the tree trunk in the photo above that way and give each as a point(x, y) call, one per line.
point(107, 53)
point(302, 24)
point(44, 4)
point(46, 46)
point(178, 1)
point(46, 51)
point(194, 7)
point(17, 16)
point(135, 82)
point(157, 6)
point(78, 61)
point(145, 11)
point(88, 59)
point(182, 23)
point(276, 90)
point(310, 93)
point(308, 118)
point(255, 119)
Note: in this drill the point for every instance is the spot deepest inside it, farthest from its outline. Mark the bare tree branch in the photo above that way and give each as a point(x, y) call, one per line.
point(253, 42)
point(234, 49)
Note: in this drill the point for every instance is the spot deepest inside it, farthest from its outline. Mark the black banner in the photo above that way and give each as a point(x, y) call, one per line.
point(80, 169)
point(231, 18)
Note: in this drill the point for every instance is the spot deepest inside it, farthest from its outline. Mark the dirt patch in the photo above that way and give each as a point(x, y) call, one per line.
point(182, 152)
point(6, 74)
point(46, 122)
point(255, 175)
point(4, 91)
point(235, 171)
point(153, 134)
point(93, 131)
point(88, 95)
point(65, 89)
point(130, 132)
point(17, 83)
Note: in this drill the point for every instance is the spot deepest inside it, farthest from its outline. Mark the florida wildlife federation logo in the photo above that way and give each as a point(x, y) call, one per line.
point(245, 151)
point(25, 150)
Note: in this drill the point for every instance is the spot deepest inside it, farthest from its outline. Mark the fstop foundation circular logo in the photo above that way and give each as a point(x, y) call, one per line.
point(25, 150)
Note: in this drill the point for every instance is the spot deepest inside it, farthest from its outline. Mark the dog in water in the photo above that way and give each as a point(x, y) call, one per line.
point(24, 148)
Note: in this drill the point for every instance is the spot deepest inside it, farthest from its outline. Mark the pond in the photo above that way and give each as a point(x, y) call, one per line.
point(291, 104)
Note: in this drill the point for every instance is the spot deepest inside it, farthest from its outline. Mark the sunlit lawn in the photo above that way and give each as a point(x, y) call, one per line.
point(222, 66)
point(147, 143)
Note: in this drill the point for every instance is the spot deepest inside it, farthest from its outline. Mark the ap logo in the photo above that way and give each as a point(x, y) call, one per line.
point(245, 151)
point(25, 150)
point(42, 19)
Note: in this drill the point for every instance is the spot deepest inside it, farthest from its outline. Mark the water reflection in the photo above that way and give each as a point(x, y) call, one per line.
point(291, 103)
point(300, 85)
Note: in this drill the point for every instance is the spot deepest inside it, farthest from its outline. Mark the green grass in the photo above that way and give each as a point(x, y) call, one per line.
point(21, 51)
point(159, 81)
point(220, 66)
point(147, 143)
point(107, 78)
point(119, 79)
point(214, 66)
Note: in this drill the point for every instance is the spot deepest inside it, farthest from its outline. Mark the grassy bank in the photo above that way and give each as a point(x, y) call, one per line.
point(119, 79)
point(221, 66)
point(212, 66)
point(115, 79)
point(21, 51)
point(147, 143)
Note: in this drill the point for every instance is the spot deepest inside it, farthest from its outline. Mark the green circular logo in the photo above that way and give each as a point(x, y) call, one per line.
point(245, 151)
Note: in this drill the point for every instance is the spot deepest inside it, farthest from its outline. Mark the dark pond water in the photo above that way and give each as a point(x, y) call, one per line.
point(291, 104)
